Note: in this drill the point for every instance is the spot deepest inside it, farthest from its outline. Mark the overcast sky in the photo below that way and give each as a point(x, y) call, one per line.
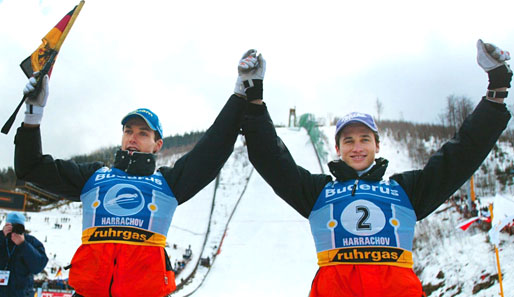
point(179, 58)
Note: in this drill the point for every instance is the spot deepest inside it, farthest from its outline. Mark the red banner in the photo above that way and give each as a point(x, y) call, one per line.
point(56, 294)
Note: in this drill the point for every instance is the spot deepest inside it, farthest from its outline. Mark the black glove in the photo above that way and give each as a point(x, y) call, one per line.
point(500, 77)
point(494, 61)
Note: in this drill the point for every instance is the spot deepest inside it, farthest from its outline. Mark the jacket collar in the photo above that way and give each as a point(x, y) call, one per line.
point(135, 163)
point(343, 172)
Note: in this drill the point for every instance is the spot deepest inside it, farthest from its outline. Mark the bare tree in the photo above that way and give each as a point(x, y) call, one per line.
point(380, 107)
point(464, 109)
point(457, 109)
point(442, 119)
point(450, 111)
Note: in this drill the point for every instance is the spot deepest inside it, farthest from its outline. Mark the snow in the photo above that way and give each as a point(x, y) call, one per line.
point(267, 249)
point(60, 244)
point(464, 257)
point(189, 227)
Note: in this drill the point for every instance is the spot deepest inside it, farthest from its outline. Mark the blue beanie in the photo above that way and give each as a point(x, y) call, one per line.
point(16, 218)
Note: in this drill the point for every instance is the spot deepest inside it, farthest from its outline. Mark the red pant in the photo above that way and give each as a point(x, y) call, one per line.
point(116, 269)
point(365, 281)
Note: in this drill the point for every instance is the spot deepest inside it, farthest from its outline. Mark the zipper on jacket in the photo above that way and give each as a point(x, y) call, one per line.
point(355, 186)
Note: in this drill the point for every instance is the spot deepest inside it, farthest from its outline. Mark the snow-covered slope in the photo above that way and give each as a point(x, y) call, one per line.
point(268, 249)
point(461, 263)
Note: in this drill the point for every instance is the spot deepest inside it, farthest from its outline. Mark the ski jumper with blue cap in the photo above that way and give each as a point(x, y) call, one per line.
point(363, 226)
point(128, 208)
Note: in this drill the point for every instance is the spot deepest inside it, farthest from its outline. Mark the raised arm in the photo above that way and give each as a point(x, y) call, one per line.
point(270, 156)
point(460, 157)
point(65, 178)
point(202, 164)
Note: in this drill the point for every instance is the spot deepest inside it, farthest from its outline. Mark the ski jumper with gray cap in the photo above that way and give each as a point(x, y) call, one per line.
point(363, 226)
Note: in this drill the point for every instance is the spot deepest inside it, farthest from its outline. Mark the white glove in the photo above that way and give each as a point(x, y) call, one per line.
point(35, 104)
point(250, 67)
point(490, 56)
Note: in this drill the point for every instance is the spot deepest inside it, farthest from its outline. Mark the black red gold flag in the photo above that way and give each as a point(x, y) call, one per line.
point(38, 59)
point(43, 58)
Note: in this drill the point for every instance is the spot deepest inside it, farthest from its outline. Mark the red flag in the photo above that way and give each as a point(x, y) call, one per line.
point(50, 45)
point(44, 57)
point(59, 272)
point(465, 225)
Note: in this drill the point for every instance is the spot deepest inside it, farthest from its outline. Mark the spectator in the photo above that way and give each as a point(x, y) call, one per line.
point(21, 256)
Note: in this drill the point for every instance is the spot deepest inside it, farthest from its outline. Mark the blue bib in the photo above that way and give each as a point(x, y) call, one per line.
point(123, 208)
point(373, 226)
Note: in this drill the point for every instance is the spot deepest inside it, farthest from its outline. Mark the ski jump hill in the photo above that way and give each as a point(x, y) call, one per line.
point(263, 247)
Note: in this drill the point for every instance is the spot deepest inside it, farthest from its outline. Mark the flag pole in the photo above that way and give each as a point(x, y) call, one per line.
point(68, 27)
point(7, 126)
point(497, 256)
point(472, 189)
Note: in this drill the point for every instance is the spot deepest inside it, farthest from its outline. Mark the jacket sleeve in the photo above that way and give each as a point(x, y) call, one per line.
point(271, 158)
point(62, 177)
point(454, 163)
point(196, 169)
point(33, 254)
point(2, 240)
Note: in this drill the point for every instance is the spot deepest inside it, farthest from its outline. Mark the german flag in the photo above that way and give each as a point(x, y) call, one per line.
point(43, 58)
point(59, 272)
point(52, 42)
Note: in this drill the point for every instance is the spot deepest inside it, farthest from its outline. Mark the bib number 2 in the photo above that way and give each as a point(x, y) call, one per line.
point(363, 218)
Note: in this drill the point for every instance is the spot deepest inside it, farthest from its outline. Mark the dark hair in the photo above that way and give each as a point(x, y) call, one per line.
point(157, 136)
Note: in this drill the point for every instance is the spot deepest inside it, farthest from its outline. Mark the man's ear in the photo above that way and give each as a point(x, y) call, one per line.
point(378, 147)
point(158, 145)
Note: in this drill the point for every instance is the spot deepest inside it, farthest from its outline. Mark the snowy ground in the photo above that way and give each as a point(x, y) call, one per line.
point(461, 263)
point(189, 228)
point(268, 249)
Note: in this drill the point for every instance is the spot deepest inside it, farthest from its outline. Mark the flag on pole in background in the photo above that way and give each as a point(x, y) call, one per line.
point(503, 209)
point(465, 225)
point(59, 273)
point(50, 46)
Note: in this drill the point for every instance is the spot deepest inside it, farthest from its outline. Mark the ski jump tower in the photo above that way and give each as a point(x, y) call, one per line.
point(292, 116)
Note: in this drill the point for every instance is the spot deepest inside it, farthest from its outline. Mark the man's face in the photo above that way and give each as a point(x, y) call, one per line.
point(357, 146)
point(138, 137)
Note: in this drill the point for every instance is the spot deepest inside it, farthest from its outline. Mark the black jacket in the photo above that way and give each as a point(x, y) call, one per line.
point(26, 259)
point(190, 174)
point(427, 188)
